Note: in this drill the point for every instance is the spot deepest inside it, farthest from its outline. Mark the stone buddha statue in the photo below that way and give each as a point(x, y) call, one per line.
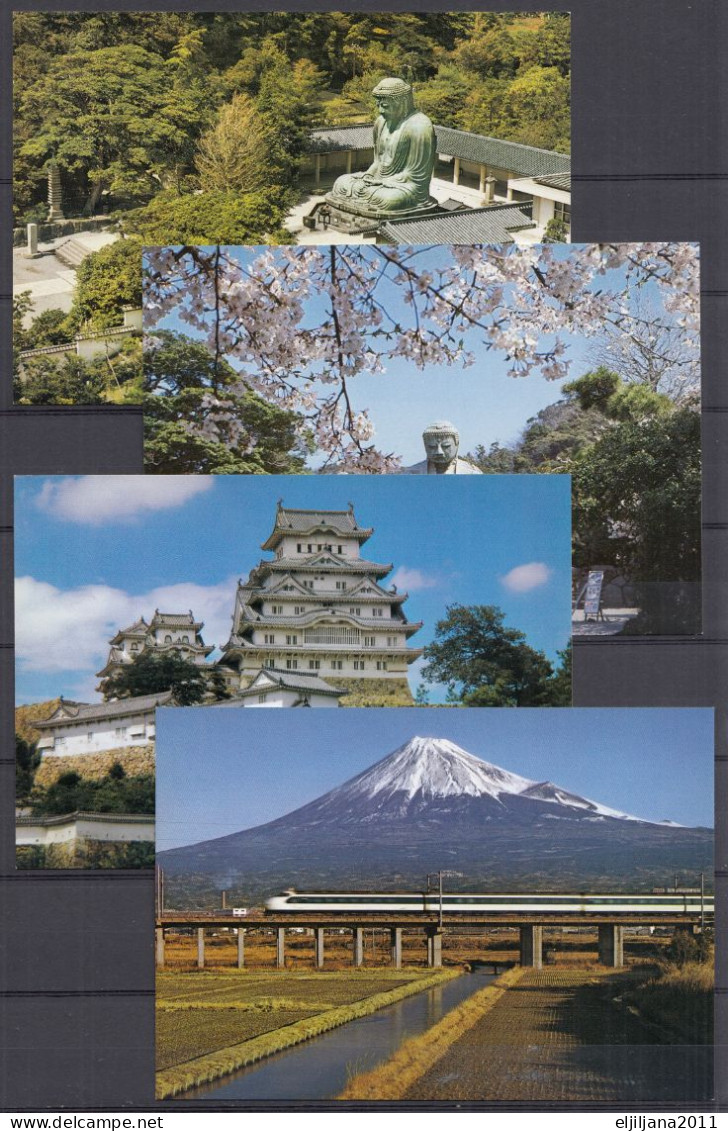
point(442, 441)
point(398, 179)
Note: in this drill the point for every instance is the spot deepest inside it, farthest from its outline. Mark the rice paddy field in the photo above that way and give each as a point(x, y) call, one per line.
point(566, 1035)
point(209, 1023)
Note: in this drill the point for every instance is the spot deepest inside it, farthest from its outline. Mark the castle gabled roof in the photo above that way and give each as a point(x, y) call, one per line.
point(88, 712)
point(293, 520)
point(139, 628)
point(175, 620)
point(289, 681)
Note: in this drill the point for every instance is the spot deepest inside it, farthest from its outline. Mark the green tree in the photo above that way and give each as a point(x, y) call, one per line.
point(636, 498)
point(45, 380)
point(27, 760)
point(49, 328)
point(212, 218)
point(251, 436)
point(287, 112)
point(106, 282)
point(232, 155)
point(97, 114)
point(149, 674)
point(115, 793)
point(484, 663)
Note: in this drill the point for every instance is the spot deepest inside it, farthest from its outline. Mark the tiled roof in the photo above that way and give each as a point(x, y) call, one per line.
point(525, 160)
point(342, 137)
point(292, 681)
point(173, 620)
point(139, 628)
point(83, 712)
point(471, 226)
point(314, 563)
point(292, 520)
point(556, 180)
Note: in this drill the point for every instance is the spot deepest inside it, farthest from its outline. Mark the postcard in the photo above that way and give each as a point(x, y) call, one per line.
point(244, 128)
point(504, 906)
point(134, 592)
point(579, 359)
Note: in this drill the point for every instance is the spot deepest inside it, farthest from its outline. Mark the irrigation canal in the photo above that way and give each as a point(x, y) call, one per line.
point(320, 1068)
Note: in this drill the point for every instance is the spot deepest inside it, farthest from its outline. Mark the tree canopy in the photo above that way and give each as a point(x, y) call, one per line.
point(129, 103)
point(188, 399)
point(150, 673)
point(484, 663)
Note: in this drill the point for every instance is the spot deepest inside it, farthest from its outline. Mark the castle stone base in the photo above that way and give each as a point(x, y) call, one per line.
point(374, 692)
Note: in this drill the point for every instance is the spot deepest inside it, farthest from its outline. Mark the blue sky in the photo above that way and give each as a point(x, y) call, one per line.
point(94, 553)
point(482, 401)
point(219, 771)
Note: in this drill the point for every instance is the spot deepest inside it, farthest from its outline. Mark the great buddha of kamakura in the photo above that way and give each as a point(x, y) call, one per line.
point(398, 179)
point(442, 441)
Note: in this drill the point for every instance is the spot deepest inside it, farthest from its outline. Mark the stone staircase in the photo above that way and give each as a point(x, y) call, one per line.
point(72, 252)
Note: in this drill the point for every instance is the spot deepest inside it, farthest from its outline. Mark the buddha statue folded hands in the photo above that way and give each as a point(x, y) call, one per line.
point(398, 180)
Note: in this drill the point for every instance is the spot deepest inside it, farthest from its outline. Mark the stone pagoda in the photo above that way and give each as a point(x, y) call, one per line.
point(166, 632)
point(318, 607)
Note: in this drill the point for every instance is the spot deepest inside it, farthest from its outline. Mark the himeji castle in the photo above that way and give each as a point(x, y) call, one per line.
point(319, 607)
point(165, 632)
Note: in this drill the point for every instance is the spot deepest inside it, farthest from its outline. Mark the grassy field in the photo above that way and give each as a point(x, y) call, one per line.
point(210, 1023)
point(565, 1035)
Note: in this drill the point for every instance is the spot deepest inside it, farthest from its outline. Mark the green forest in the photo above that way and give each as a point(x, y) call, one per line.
point(193, 125)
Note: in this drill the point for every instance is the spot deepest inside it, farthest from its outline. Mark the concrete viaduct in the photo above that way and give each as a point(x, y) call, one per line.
point(531, 928)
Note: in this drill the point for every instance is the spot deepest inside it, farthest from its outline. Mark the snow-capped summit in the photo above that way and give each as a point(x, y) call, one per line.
point(431, 805)
point(433, 767)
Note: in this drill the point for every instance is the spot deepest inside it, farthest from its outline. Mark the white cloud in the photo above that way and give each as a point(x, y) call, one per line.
point(524, 578)
point(96, 499)
point(411, 580)
point(68, 630)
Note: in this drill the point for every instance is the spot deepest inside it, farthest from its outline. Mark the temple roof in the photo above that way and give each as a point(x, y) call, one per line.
point(493, 224)
point(524, 160)
point(292, 520)
point(556, 180)
point(69, 711)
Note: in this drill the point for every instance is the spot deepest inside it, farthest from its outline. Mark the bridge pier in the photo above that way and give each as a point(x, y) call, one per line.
point(358, 946)
point(434, 947)
point(280, 947)
point(241, 948)
point(611, 944)
point(200, 948)
point(159, 940)
point(532, 946)
point(318, 946)
point(396, 944)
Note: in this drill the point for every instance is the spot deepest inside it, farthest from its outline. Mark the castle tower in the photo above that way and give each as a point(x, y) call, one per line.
point(166, 632)
point(319, 607)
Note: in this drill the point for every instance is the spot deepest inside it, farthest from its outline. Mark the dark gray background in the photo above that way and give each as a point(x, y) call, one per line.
point(650, 161)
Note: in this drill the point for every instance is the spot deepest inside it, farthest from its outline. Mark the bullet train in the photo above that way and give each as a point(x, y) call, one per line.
point(539, 903)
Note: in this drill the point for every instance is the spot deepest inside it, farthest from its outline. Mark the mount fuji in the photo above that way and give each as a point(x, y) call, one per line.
point(428, 806)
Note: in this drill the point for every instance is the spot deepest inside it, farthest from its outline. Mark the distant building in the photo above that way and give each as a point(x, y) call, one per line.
point(472, 172)
point(88, 728)
point(318, 607)
point(166, 632)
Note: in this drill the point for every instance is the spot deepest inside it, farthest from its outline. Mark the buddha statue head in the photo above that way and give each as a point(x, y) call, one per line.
point(394, 100)
point(441, 440)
